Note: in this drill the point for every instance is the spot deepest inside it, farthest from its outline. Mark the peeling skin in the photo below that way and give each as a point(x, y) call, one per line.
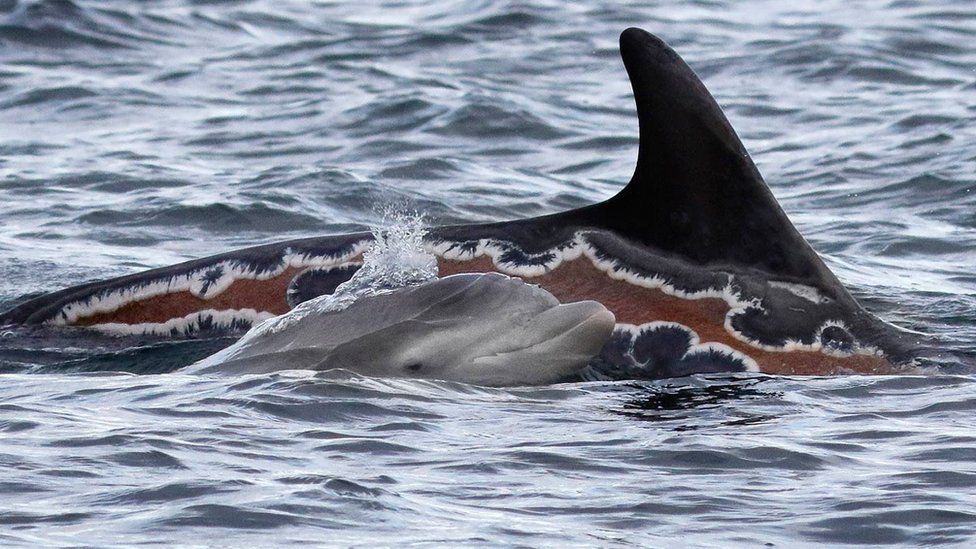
point(570, 272)
point(268, 296)
point(632, 304)
point(646, 349)
point(162, 301)
point(210, 319)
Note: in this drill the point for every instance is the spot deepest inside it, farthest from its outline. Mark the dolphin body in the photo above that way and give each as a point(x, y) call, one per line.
point(485, 329)
point(694, 257)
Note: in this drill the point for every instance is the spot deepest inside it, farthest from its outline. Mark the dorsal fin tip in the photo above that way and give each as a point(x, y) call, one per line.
point(674, 107)
point(695, 191)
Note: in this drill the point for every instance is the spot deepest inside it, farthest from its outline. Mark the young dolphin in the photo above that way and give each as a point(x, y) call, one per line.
point(485, 329)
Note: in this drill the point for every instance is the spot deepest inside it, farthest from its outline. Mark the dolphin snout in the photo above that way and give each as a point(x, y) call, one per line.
point(593, 313)
point(593, 327)
point(578, 329)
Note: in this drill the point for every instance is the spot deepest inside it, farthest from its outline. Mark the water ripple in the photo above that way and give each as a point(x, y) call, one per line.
point(144, 134)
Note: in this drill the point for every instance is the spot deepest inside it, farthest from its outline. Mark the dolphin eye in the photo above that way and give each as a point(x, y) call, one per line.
point(414, 367)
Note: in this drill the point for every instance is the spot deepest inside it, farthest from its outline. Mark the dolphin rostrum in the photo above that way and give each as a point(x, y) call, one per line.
point(694, 257)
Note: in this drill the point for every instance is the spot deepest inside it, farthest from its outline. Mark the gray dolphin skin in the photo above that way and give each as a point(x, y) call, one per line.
point(484, 329)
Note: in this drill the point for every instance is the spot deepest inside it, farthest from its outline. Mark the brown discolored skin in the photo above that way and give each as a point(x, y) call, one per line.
point(261, 295)
point(267, 295)
point(579, 279)
point(573, 280)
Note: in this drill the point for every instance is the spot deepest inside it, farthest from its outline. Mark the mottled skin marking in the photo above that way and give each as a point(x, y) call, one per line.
point(262, 295)
point(580, 279)
point(573, 280)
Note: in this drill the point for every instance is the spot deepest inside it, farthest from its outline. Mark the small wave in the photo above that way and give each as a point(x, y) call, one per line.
point(61, 94)
point(500, 24)
point(203, 125)
point(388, 115)
point(218, 217)
point(62, 24)
point(479, 119)
point(229, 516)
point(422, 169)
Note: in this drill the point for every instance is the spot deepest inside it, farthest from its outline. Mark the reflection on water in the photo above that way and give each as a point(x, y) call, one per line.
point(683, 399)
point(42, 349)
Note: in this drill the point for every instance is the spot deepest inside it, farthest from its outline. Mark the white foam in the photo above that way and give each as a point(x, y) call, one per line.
point(395, 258)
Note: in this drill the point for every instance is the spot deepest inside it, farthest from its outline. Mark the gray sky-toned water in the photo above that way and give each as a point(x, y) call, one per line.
point(138, 135)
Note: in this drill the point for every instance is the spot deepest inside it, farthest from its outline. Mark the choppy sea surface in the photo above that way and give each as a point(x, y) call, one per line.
point(136, 135)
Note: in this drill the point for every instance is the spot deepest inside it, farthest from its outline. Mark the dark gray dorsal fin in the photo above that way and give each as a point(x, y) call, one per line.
point(695, 191)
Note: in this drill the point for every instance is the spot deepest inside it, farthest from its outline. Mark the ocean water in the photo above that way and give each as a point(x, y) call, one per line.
point(136, 135)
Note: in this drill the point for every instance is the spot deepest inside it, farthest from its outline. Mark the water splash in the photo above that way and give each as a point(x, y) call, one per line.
point(396, 259)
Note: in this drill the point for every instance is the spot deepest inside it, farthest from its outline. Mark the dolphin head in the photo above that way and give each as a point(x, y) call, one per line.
point(484, 329)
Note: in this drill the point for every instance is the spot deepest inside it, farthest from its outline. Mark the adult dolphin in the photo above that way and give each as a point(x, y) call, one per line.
point(701, 267)
point(485, 329)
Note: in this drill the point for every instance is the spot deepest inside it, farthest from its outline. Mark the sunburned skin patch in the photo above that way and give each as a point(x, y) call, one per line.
point(193, 323)
point(708, 308)
point(229, 287)
point(713, 308)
